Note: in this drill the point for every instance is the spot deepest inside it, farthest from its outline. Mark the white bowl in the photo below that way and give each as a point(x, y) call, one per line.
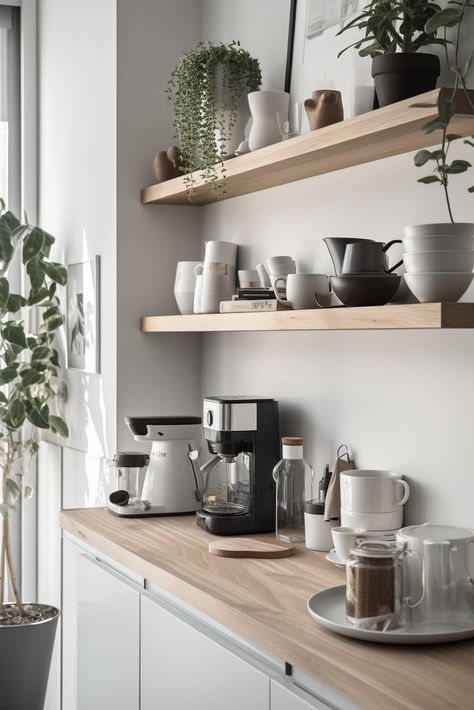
point(440, 228)
point(438, 286)
point(440, 242)
point(428, 261)
point(372, 521)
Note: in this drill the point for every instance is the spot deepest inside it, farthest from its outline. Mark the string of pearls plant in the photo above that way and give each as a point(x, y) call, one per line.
point(202, 125)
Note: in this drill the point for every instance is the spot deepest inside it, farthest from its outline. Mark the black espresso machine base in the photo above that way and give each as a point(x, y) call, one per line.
point(229, 524)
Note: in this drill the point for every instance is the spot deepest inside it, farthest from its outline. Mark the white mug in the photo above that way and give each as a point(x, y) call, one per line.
point(373, 491)
point(284, 269)
point(185, 285)
point(215, 288)
point(274, 262)
point(300, 289)
point(248, 278)
point(344, 540)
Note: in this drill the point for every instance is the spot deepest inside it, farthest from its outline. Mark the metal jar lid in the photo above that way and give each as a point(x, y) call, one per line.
point(130, 459)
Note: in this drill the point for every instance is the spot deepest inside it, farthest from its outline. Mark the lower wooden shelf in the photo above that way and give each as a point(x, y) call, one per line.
point(406, 316)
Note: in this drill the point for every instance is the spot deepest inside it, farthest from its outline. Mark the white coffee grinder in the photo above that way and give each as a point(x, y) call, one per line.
point(171, 486)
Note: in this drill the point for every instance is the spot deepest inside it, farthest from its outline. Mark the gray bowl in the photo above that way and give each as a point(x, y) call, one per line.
point(365, 289)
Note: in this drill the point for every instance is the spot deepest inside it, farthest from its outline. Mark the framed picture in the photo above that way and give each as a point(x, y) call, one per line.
point(315, 48)
point(83, 309)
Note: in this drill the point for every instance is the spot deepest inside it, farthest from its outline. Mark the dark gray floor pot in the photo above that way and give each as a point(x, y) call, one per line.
point(25, 659)
point(401, 76)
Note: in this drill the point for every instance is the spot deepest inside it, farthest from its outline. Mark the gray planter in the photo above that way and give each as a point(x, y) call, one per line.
point(25, 658)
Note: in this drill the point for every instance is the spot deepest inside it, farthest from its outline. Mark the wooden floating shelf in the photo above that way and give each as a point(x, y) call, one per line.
point(388, 131)
point(410, 316)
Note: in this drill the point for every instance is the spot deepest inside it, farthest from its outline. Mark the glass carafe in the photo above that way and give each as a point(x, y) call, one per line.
point(294, 485)
point(126, 467)
point(227, 489)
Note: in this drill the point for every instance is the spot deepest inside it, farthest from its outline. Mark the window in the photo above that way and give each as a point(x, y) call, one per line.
point(10, 127)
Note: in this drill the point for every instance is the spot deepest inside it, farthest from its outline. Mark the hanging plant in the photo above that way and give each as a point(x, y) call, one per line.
point(202, 126)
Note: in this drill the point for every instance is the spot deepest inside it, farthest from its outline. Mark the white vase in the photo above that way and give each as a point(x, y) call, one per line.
point(264, 107)
point(234, 130)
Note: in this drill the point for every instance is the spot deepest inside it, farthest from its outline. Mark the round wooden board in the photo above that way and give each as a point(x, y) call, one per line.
point(249, 547)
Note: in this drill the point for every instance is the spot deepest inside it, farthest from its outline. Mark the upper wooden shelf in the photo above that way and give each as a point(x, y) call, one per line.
point(378, 134)
point(409, 316)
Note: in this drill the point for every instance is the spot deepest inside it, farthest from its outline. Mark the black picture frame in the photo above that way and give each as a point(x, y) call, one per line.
point(291, 44)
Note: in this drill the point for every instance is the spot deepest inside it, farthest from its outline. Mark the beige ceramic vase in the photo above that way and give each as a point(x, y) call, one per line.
point(323, 108)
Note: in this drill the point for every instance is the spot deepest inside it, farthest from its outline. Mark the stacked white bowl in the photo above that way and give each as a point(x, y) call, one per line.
point(439, 260)
point(373, 499)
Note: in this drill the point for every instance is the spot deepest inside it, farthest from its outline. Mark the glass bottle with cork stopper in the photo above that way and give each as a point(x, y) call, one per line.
point(294, 481)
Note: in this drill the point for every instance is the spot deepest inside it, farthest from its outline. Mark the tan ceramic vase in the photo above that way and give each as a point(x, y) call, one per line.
point(323, 108)
point(164, 165)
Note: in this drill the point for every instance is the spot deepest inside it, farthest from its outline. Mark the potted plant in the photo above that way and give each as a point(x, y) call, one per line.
point(29, 367)
point(443, 253)
point(394, 31)
point(208, 93)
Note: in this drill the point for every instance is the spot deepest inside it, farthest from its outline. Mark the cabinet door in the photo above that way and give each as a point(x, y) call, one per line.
point(101, 637)
point(182, 668)
point(286, 698)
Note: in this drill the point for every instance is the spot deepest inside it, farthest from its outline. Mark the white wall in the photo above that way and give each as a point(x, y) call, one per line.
point(402, 400)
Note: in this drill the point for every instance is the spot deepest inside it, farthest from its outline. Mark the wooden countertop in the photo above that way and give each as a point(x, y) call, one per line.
point(265, 602)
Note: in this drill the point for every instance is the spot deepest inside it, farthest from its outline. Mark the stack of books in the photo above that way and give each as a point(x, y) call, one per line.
point(252, 299)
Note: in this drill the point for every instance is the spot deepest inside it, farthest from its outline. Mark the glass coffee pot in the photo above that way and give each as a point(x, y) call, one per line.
point(227, 485)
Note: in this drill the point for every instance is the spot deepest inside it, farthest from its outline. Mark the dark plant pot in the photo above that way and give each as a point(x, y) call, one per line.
point(401, 76)
point(25, 659)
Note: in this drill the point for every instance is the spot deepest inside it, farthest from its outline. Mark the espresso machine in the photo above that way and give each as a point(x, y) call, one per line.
point(238, 497)
point(171, 485)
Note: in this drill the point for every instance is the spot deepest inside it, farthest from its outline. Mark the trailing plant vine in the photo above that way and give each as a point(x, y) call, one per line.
point(202, 126)
point(29, 366)
point(448, 18)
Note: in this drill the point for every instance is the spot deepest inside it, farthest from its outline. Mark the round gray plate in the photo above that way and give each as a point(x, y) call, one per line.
point(329, 609)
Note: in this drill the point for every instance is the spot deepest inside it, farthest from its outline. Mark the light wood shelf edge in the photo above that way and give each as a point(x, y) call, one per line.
point(406, 316)
point(388, 131)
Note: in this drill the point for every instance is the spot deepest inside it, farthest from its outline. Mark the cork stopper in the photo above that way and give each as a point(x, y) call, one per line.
point(292, 441)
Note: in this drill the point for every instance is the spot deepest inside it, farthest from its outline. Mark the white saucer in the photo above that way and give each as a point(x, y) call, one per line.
point(334, 559)
point(329, 609)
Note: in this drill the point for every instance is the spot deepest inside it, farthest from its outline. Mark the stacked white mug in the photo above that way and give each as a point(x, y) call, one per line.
point(215, 282)
point(373, 500)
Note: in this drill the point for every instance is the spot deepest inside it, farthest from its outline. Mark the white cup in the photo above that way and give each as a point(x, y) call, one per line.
point(274, 262)
point(373, 491)
point(344, 538)
point(249, 278)
point(317, 532)
point(300, 289)
point(185, 285)
point(215, 288)
point(393, 520)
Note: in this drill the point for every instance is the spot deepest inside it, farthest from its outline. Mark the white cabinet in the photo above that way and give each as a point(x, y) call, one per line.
point(101, 641)
point(286, 698)
point(181, 667)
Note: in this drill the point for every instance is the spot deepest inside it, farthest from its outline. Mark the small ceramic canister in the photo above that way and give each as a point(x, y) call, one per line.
point(317, 531)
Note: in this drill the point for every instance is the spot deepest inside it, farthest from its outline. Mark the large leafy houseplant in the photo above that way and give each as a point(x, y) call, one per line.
point(393, 32)
point(448, 18)
point(205, 90)
point(29, 367)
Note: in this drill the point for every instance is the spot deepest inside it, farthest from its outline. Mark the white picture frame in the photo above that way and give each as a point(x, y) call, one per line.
point(83, 311)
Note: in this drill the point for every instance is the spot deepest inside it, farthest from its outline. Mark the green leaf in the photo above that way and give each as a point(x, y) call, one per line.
point(434, 125)
point(444, 18)
point(470, 189)
point(4, 291)
point(11, 353)
point(8, 374)
point(15, 415)
point(48, 242)
point(15, 334)
point(3, 398)
point(31, 446)
point(36, 271)
point(51, 311)
point(457, 167)
point(13, 490)
point(15, 302)
point(57, 272)
point(422, 157)
point(31, 377)
point(446, 109)
point(39, 418)
point(33, 244)
point(469, 143)
point(27, 491)
point(452, 137)
point(38, 295)
point(42, 353)
point(54, 323)
point(58, 425)
point(6, 247)
point(429, 179)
